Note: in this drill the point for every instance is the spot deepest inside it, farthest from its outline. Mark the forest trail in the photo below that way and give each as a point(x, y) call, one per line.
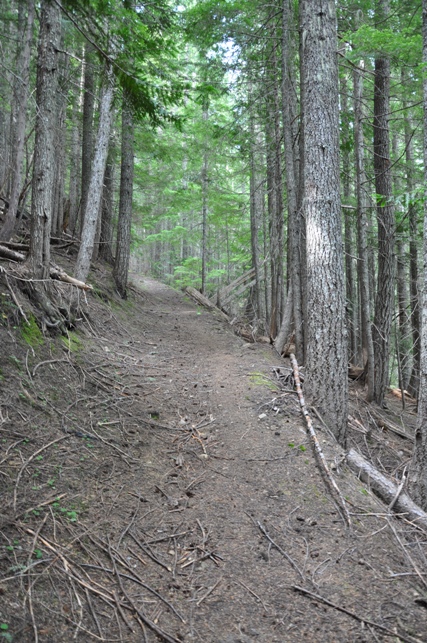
point(190, 506)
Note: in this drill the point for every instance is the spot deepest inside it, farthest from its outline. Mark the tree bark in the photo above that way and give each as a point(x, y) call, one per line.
point(362, 232)
point(44, 153)
point(87, 130)
point(90, 216)
point(326, 363)
point(106, 237)
point(419, 473)
point(19, 119)
point(384, 302)
point(292, 180)
point(121, 264)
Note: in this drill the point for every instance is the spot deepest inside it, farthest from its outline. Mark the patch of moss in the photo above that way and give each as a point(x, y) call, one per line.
point(72, 342)
point(31, 333)
point(259, 379)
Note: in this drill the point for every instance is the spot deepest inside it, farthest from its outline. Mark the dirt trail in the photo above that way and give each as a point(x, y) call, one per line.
point(196, 480)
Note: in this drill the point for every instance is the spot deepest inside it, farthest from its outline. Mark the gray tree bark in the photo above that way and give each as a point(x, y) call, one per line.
point(362, 232)
point(121, 264)
point(292, 181)
point(87, 130)
point(44, 153)
point(326, 363)
point(384, 302)
point(19, 119)
point(419, 472)
point(106, 237)
point(90, 216)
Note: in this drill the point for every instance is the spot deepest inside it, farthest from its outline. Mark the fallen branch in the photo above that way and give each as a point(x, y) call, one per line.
point(315, 442)
point(204, 301)
point(58, 273)
point(385, 423)
point(361, 619)
point(386, 490)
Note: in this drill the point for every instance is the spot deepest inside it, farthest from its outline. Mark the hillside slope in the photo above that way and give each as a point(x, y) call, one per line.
point(157, 484)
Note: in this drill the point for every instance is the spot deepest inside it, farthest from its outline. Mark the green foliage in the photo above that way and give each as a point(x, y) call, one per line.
point(403, 47)
point(188, 273)
point(31, 333)
point(139, 43)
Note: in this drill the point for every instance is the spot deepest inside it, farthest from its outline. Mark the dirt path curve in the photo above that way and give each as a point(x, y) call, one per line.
point(248, 466)
point(156, 485)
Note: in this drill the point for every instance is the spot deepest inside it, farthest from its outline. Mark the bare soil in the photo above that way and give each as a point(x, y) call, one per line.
point(157, 484)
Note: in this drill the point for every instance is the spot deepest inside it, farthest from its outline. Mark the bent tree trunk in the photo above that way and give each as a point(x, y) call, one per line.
point(326, 362)
point(90, 216)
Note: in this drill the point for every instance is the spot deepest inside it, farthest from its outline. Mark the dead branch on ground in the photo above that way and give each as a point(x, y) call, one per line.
point(336, 493)
point(386, 489)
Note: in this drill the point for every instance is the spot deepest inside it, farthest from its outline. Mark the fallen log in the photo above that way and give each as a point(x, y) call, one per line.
point(204, 301)
point(58, 273)
point(385, 489)
point(13, 255)
point(55, 271)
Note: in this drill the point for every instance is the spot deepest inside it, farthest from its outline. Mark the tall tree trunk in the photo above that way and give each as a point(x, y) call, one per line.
point(350, 272)
point(419, 474)
point(106, 237)
point(292, 180)
point(87, 130)
point(44, 153)
point(73, 192)
point(19, 118)
point(276, 189)
point(205, 117)
point(362, 231)
point(90, 216)
point(256, 211)
point(384, 302)
point(121, 264)
point(413, 385)
point(326, 363)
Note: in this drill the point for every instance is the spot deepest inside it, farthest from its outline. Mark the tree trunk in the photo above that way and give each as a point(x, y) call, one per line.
point(256, 212)
point(90, 216)
point(349, 246)
point(362, 232)
point(87, 131)
point(413, 385)
point(121, 265)
point(326, 363)
point(19, 119)
point(419, 474)
point(205, 117)
point(44, 153)
point(106, 237)
point(292, 179)
point(384, 302)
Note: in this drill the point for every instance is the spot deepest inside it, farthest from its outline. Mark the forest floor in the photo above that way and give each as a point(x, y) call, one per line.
point(157, 484)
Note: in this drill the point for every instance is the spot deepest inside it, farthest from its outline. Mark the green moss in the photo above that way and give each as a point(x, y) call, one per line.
point(31, 333)
point(259, 379)
point(72, 342)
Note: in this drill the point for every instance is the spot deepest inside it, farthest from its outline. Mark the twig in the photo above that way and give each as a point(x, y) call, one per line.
point(25, 465)
point(282, 551)
point(210, 590)
point(340, 500)
point(404, 549)
point(361, 619)
point(399, 490)
point(15, 299)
